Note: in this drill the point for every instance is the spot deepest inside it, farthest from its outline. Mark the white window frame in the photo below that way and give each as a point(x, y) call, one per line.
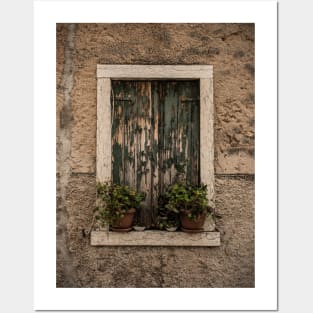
point(107, 73)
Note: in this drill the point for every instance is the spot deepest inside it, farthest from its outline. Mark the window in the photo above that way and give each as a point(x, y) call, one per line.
point(122, 92)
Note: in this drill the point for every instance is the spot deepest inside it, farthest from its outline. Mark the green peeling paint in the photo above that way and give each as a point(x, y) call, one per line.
point(155, 134)
point(117, 162)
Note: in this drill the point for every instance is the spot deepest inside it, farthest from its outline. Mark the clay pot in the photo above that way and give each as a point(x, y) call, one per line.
point(125, 224)
point(189, 225)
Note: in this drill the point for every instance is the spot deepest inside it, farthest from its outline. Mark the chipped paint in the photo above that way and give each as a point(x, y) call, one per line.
point(155, 136)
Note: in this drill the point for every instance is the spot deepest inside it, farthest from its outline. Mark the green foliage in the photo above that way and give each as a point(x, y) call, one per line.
point(114, 200)
point(188, 198)
point(165, 217)
point(164, 222)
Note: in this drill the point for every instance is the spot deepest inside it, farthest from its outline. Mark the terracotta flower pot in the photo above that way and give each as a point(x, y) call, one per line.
point(189, 225)
point(125, 223)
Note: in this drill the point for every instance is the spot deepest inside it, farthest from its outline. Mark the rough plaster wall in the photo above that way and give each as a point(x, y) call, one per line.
point(64, 142)
point(230, 49)
point(230, 265)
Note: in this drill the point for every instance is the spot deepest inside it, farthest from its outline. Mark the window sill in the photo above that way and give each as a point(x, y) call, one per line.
point(155, 238)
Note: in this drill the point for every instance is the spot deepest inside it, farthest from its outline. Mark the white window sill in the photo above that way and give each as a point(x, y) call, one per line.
point(155, 238)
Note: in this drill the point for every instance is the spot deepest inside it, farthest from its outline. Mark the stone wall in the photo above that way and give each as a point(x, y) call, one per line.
point(230, 49)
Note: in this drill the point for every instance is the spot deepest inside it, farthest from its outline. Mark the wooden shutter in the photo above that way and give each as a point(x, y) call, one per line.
point(155, 136)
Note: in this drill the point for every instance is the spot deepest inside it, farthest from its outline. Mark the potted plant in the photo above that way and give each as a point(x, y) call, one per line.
point(117, 204)
point(166, 219)
point(191, 203)
point(167, 223)
point(171, 225)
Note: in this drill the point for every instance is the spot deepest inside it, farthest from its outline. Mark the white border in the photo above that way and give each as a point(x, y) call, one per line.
point(264, 295)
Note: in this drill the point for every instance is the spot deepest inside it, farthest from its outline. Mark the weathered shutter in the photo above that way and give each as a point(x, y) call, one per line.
point(155, 136)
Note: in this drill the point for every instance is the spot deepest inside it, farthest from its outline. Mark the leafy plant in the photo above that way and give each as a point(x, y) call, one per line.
point(164, 222)
point(188, 198)
point(166, 218)
point(113, 201)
